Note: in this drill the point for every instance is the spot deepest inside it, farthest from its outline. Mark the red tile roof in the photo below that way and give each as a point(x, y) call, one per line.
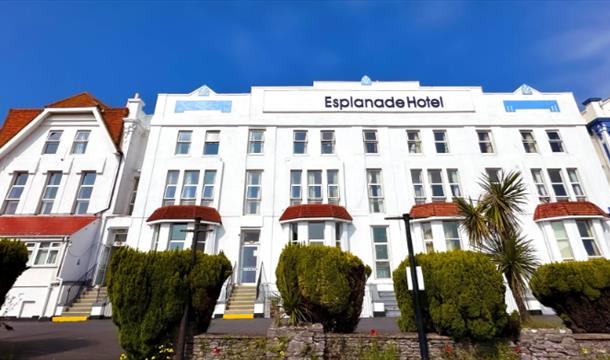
point(17, 119)
point(567, 208)
point(185, 212)
point(43, 225)
point(308, 211)
point(434, 209)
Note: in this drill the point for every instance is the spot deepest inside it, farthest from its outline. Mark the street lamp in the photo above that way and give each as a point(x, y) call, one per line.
point(198, 228)
point(421, 331)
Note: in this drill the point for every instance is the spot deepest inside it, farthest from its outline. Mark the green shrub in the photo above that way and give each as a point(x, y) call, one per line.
point(463, 297)
point(148, 292)
point(322, 284)
point(578, 291)
point(13, 261)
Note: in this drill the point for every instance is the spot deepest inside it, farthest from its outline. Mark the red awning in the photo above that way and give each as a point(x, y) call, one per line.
point(434, 209)
point(185, 213)
point(567, 209)
point(315, 211)
point(43, 225)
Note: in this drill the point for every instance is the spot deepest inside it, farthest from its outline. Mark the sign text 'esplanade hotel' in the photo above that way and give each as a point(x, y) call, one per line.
point(367, 101)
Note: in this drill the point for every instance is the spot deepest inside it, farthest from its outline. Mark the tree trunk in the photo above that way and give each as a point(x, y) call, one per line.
point(520, 300)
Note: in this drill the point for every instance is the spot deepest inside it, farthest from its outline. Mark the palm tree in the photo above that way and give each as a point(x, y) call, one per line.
point(493, 227)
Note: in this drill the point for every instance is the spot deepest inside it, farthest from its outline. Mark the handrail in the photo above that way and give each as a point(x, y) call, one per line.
point(260, 274)
point(80, 283)
point(228, 287)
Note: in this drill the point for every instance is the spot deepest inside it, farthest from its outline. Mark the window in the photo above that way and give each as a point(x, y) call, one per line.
point(426, 229)
point(563, 242)
point(314, 186)
point(84, 192)
point(494, 174)
point(576, 187)
point(79, 146)
point(294, 233)
point(382, 258)
point(555, 141)
point(414, 141)
point(529, 142)
point(295, 187)
point(171, 182)
point(253, 192)
point(183, 144)
point(43, 253)
point(315, 231)
point(14, 193)
point(332, 177)
point(440, 141)
point(256, 141)
point(454, 183)
point(375, 191)
point(189, 187)
point(132, 196)
point(418, 186)
point(207, 194)
point(177, 237)
point(558, 185)
point(338, 233)
point(587, 237)
point(52, 143)
point(49, 193)
point(212, 141)
point(543, 194)
point(119, 236)
point(299, 145)
point(370, 141)
point(485, 144)
point(435, 178)
point(452, 235)
point(327, 141)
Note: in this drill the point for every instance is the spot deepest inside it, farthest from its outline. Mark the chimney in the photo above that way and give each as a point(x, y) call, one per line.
point(135, 106)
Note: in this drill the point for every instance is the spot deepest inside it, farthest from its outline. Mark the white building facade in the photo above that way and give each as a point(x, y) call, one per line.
point(64, 174)
point(326, 164)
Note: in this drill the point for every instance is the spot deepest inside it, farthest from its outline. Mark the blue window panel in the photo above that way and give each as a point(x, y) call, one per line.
point(222, 105)
point(514, 105)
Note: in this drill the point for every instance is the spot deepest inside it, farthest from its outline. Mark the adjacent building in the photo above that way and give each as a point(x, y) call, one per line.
point(65, 172)
point(323, 164)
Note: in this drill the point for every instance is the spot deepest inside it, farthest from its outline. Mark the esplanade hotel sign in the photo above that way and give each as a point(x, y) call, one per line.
point(367, 101)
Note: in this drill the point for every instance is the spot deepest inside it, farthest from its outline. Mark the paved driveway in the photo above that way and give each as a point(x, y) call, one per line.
point(98, 339)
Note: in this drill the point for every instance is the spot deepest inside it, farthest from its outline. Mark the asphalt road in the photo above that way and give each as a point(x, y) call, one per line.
point(98, 339)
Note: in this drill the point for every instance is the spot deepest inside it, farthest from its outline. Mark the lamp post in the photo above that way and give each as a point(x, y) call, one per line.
point(181, 341)
point(419, 321)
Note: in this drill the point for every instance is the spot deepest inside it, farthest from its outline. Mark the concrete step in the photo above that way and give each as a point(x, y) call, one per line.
point(241, 308)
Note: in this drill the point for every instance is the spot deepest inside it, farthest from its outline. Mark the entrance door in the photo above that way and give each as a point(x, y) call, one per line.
point(248, 258)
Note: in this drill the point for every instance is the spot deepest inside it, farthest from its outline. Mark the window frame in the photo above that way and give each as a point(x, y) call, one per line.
point(333, 187)
point(34, 252)
point(330, 142)
point(253, 141)
point(296, 141)
point(486, 146)
point(170, 200)
point(133, 195)
point(374, 143)
point(576, 184)
point(444, 141)
point(8, 200)
point(316, 241)
point(558, 141)
point(529, 143)
point(566, 240)
point(590, 238)
point(44, 203)
point(378, 200)
point(421, 185)
point(540, 185)
point(315, 185)
point(376, 260)
point(211, 147)
point(208, 200)
point(296, 200)
point(494, 172)
point(454, 185)
point(171, 240)
point(425, 226)
point(50, 141)
point(186, 143)
point(458, 239)
point(248, 201)
point(78, 200)
point(440, 184)
point(565, 197)
point(189, 186)
point(78, 141)
point(416, 141)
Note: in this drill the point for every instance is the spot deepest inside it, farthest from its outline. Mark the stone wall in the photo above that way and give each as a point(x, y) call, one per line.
point(310, 342)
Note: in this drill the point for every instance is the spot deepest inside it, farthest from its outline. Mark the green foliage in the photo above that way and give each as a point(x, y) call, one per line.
point(322, 284)
point(148, 292)
point(464, 296)
point(388, 351)
point(578, 291)
point(13, 261)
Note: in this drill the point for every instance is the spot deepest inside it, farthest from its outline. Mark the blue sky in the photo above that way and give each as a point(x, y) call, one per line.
point(113, 49)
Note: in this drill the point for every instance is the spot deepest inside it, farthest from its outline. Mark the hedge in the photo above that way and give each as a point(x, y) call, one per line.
point(148, 292)
point(463, 297)
point(13, 261)
point(578, 291)
point(322, 284)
